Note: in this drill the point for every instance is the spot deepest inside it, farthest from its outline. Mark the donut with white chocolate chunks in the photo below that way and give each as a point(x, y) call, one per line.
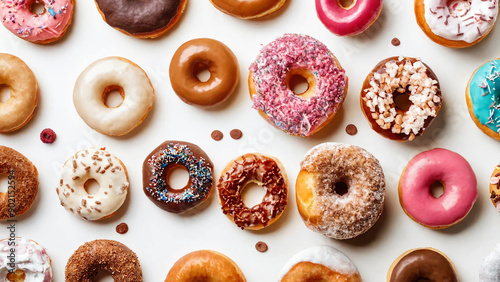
point(245, 9)
point(320, 263)
point(101, 166)
point(31, 261)
point(456, 23)
point(340, 190)
point(388, 81)
point(265, 171)
point(489, 271)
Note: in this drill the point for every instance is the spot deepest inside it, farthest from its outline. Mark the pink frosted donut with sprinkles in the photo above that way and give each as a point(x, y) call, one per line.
point(271, 76)
point(18, 17)
point(456, 23)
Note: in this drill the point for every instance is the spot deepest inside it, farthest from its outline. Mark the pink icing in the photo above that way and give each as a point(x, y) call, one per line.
point(287, 111)
point(351, 21)
point(459, 181)
point(17, 17)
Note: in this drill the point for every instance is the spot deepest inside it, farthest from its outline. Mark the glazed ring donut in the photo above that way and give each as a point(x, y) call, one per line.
point(108, 255)
point(164, 158)
point(205, 265)
point(141, 19)
point(245, 9)
point(101, 166)
point(265, 171)
point(104, 76)
point(456, 23)
point(320, 263)
point(270, 74)
point(350, 20)
point(481, 93)
point(457, 178)
point(204, 53)
point(20, 106)
point(495, 187)
point(22, 178)
point(489, 271)
point(43, 28)
point(327, 171)
point(31, 261)
point(390, 79)
point(423, 264)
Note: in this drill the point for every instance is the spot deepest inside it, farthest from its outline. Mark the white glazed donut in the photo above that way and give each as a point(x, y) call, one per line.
point(489, 271)
point(30, 258)
point(103, 76)
point(101, 166)
point(320, 263)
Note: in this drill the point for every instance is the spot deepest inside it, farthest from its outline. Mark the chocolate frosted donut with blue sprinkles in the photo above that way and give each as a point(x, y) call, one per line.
point(142, 19)
point(170, 155)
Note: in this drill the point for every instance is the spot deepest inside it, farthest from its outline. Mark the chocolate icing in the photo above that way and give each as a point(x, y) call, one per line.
point(423, 265)
point(140, 16)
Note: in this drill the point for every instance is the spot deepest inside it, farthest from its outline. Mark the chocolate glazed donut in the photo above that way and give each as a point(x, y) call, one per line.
point(143, 19)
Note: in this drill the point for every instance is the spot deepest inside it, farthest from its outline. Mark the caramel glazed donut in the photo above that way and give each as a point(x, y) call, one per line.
point(108, 255)
point(323, 202)
point(19, 108)
point(205, 265)
point(245, 9)
point(142, 19)
point(17, 200)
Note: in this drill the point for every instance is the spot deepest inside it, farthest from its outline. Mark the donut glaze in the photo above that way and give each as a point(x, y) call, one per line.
point(204, 53)
point(248, 9)
point(459, 182)
point(31, 258)
point(348, 21)
point(489, 271)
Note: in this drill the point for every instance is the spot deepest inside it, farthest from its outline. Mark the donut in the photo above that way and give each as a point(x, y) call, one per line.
point(101, 166)
point(386, 84)
point(340, 190)
point(265, 171)
point(348, 18)
point(320, 263)
point(24, 257)
point(104, 76)
point(164, 158)
point(457, 178)
point(205, 265)
point(22, 178)
point(269, 82)
point(198, 54)
point(495, 187)
point(17, 16)
point(103, 255)
point(245, 9)
point(422, 264)
point(456, 23)
point(482, 94)
point(489, 271)
point(19, 108)
point(141, 19)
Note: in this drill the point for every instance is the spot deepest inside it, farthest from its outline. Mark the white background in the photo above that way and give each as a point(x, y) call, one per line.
point(160, 238)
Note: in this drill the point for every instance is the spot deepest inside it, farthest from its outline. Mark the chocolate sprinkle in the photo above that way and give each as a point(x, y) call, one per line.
point(351, 129)
point(122, 228)
point(395, 41)
point(261, 246)
point(236, 134)
point(217, 135)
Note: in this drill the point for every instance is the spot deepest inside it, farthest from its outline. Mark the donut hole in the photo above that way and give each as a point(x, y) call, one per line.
point(16, 276)
point(301, 82)
point(458, 8)
point(113, 96)
point(103, 276)
point(346, 4)
point(201, 72)
point(5, 93)
point(37, 8)
point(341, 188)
point(437, 189)
point(4, 183)
point(178, 177)
point(91, 186)
point(402, 101)
point(252, 194)
point(298, 84)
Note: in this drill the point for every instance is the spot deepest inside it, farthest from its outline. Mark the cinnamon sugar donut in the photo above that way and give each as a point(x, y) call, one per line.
point(340, 190)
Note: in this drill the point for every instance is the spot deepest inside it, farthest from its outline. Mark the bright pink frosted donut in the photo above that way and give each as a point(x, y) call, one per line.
point(348, 21)
point(460, 190)
point(17, 17)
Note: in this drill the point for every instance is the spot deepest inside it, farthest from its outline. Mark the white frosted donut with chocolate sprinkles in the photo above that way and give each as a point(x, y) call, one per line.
point(101, 166)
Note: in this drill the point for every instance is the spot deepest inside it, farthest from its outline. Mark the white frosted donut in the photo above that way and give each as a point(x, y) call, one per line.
point(103, 76)
point(490, 272)
point(320, 263)
point(30, 258)
point(104, 168)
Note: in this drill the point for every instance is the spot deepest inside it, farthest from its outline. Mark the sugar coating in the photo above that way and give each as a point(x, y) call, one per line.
point(490, 272)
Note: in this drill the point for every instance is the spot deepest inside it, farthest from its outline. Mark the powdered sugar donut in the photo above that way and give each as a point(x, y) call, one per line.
point(489, 271)
point(270, 75)
point(30, 259)
point(340, 190)
point(44, 28)
point(320, 263)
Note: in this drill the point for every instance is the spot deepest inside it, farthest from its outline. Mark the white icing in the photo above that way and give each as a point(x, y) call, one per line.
point(30, 257)
point(107, 170)
point(461, 20)
point(325, 255)
point(490, 272)
point(88, 95)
